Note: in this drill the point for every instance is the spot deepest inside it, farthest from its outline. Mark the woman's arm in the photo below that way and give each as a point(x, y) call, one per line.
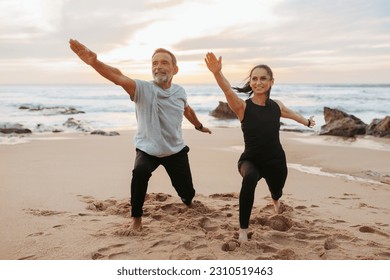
point(235, 103)
point(290, 114)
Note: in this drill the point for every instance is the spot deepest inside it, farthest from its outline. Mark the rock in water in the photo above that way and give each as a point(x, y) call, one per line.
point(379, 127)
point(223, 111)
point(339, 123)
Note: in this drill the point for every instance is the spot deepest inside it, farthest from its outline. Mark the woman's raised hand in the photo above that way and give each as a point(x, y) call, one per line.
point(213, 64)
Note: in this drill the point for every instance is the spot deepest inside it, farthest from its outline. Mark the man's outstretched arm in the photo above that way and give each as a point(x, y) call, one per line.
point(190, 115)
point(111, 73)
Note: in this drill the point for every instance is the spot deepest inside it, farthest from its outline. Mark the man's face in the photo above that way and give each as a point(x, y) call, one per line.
point(163, 68)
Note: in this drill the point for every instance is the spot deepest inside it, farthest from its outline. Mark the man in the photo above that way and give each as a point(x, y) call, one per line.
point(160, 106)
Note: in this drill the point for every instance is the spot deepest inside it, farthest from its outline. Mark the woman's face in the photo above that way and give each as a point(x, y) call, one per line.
point(260, 81)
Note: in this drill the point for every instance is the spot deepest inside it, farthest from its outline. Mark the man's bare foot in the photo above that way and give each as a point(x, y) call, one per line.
point(243, 235)
point(187, 202)
point(277, 208)
point(137, 223)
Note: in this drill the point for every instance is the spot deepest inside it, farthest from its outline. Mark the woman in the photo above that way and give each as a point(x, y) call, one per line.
point(259, 115)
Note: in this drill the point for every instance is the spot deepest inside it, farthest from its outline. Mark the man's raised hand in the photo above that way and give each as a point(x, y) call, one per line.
point(85, 54)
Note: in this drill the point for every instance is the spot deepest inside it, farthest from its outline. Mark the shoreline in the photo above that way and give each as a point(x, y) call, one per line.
point(68, 199)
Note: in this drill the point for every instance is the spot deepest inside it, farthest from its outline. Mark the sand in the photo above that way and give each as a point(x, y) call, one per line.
point(66, 197)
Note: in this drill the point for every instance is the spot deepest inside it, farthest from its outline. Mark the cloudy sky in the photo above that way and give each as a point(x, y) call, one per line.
point(304, 41)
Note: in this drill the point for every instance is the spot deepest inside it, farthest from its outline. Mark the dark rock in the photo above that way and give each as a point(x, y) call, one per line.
point(75, 124)
point(379, 127)
point(104, 133)
point(71, 122)
point(17, 128)
point(293, 130)
point(223, 111)
point(57, 110)
point(43, 128)
point(338, 123)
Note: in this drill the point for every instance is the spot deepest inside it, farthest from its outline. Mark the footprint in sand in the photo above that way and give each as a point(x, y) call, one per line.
point(368, 229)
point(189, 245)
point(205, 257)
point(180, 256)
point(231, 245)
point(172, 208)
point(31, 257)
point(86, 198)
point(207, 224)
point(266, 248)
point(104, 249)
point(84, 214)
point(102, 252)
point(97, 256)
point(337, 221)
point(384, 255)
point(160, 243)
point(59, 226)
point(330, 243)
point(156, 216)
point(161, 197)
point(129, 232)
point(285, 254)
point(280, 223)
point(38, 212)
point(35, 234)
point(119, 256)
point(301, 235)
point(382, 224)
point(225, 196)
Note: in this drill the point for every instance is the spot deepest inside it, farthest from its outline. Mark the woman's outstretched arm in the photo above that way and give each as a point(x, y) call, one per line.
point(235, 103)
point(290, 114)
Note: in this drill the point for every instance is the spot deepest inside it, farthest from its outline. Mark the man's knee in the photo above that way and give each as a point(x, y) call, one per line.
point(141, 171)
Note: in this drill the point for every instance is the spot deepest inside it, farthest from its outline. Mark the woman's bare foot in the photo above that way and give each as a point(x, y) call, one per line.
point(137, 223)
point(277, 208)
point(243, 235)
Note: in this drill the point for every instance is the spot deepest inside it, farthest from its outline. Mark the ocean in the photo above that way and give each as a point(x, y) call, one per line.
point(108, 107)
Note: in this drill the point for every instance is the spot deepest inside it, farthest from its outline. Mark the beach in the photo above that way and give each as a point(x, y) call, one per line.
point(66, 197)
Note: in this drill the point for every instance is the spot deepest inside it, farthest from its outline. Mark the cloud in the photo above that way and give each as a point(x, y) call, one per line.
point(307, 33)
point(162, 4)
point(98, 23)
point(295, 35)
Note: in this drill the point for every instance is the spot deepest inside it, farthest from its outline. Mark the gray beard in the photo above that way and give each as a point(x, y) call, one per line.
point(158, 79)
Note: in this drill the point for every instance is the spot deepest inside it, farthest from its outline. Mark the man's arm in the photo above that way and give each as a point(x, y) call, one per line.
point(108, 72)
point(190, 115)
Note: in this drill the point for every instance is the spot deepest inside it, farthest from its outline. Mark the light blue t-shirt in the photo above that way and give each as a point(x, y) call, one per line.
point(159, 115)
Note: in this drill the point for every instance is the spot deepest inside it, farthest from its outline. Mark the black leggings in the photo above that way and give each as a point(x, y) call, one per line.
point(177, 167)
point(274, 173)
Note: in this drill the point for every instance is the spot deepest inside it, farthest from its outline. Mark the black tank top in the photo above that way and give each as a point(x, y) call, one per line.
point(260, 127)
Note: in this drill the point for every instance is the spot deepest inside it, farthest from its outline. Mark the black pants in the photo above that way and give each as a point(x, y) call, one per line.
point(274, 172)
point(178, 169)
